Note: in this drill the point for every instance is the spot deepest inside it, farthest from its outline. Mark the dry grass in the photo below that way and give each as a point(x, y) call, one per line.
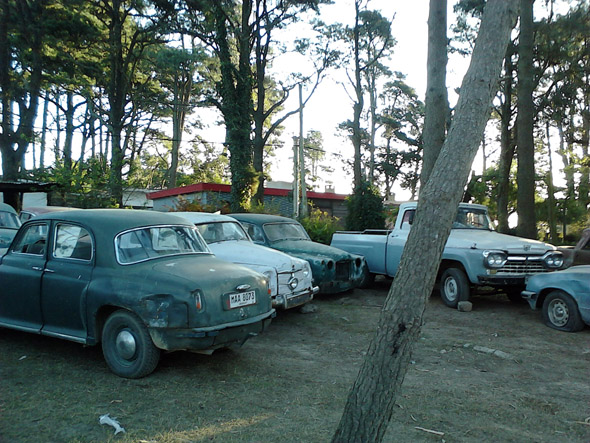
point(290, 384)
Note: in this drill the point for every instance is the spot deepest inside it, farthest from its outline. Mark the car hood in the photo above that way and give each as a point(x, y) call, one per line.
point(478, 239)
point(208, 273)
point(247, 253)
point(311, 249)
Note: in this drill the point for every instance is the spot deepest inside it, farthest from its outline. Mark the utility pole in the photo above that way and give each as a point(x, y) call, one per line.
point(295, 178)
point(303, 210)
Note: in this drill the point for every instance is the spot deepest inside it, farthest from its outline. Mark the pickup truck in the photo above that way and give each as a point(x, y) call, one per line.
point(475, 256)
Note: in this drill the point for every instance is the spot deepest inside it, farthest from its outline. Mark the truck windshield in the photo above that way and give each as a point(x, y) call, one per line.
point(285, 231)
point(471, 218)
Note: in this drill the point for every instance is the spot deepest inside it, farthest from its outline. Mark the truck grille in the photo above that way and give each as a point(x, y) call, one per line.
point(343, 270)
point(523, 265)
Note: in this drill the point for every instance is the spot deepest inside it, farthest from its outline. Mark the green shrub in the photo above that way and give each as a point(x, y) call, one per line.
point(320, 226)
point(365, 208)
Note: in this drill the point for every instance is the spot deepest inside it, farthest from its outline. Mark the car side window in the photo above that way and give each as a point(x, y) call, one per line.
point(408, 219)
point(32, 240)
point(255, 232)
point(72, 241)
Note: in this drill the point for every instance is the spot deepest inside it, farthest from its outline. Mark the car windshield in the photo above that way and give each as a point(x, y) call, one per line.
point(158, 241)
point(285, 231)
point(472, 218)
point(222, 231)
point(9, 220)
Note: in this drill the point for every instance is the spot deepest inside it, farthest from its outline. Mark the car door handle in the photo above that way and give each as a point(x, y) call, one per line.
point(39, 268)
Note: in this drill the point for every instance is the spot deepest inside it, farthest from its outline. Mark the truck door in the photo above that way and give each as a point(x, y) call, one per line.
point(21, 271)
point(67, 275)
point(397, 240)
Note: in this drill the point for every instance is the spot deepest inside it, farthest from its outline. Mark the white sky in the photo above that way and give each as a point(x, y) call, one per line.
point(331, 105)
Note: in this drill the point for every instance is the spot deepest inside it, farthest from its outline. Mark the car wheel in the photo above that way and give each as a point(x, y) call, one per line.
point(367, 280)
point(454, 287)
point(127, 346)
point(515, 295)
point(560, 311)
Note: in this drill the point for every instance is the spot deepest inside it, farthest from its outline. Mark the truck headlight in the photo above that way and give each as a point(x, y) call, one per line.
point(494, 259)
point(553, 260)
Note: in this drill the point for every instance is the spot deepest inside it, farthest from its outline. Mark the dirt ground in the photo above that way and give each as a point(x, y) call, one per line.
point(290, 384)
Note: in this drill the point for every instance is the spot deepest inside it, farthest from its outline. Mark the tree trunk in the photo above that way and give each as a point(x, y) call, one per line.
point(551, 216)
point(359, 103)
point(372, 398)
point(507, 145)
point(525, 148)
point(436, 102)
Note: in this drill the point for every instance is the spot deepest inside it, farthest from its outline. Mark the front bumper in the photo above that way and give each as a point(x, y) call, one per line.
point(502, 280)
point(209, 339)
point(531, 297)
point(287, 301)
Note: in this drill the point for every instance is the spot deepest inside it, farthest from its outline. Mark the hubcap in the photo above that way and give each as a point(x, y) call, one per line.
point(126, 344)
point(558, 313)
point(451, 289)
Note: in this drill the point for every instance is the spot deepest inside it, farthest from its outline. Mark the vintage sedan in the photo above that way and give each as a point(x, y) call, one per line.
point(333, 269)
point(9, 224)
point(563, 296)
point(137, 282)
point(290, 278)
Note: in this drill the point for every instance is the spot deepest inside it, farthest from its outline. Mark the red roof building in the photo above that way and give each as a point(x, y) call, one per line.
point(218, 195)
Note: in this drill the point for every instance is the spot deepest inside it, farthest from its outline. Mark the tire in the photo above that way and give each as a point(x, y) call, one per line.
point(127, 346)
point(560, 311)
point(515, 295)
point(454, 287)
point(367, 280)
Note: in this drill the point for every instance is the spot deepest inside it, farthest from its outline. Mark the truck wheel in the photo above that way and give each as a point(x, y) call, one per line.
point(454, 287)
point(560, 311)
point(127, 346)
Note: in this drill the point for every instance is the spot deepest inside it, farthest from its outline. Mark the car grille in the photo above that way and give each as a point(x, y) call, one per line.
point(284, 281)
point(523, 265)
point(342, 270)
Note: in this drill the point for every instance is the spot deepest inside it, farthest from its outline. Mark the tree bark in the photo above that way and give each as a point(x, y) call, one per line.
point(507, 145)
point(525, 149)
point(436, 101)
point(372, 397)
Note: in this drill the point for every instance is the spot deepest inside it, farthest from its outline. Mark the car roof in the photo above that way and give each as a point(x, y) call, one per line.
point(204, 217)
point(113, 221)
point(7, 208)
point(37, 210)
point(262, 218)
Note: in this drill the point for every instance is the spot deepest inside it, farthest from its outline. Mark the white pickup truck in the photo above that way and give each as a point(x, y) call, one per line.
point(474, 256)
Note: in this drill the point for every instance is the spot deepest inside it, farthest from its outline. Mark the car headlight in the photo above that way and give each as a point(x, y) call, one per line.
point(494, 259)
point(272, 281)
point(553, 260)
point(306, 270)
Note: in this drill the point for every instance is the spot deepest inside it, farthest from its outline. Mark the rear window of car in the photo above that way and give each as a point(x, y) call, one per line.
point(158, 241)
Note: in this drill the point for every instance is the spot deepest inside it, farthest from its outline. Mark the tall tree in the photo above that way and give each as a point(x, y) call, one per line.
point(128, 38)
point(373, 395)
point(436, 102)
point(525, 149)
point(22, 33)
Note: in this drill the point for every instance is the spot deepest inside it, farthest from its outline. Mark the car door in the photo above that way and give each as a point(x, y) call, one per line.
point(67, 274)
point(21, 272)
point(396, 241)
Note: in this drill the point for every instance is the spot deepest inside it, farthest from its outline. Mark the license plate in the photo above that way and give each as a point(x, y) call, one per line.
point(242, 299)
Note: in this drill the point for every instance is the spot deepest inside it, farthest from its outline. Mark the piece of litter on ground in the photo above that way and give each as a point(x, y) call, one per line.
point(430, 431)
point(22, 358)
point(496, 352)
point(107, 420)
